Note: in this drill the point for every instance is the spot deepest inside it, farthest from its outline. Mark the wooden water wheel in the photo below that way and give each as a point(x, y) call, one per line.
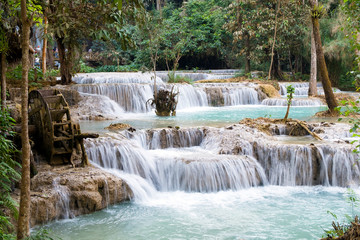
point(58, 136)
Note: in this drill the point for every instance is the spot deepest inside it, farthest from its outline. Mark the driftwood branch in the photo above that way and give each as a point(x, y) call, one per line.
point(308, 130)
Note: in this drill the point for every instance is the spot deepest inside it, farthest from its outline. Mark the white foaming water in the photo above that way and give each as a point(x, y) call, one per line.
point(190, 96)
point(131, 97)
point(94, 105)
point(302, 88)
point(63, 204)
point(294, 102)
point(118, 77)
point(165, 170)
point(200, 163)
point(132, 91)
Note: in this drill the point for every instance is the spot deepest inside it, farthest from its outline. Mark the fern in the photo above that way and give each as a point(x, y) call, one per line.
point(8, 175)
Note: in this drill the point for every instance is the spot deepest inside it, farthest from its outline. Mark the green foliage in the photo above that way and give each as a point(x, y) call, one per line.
point(339, 228)
point(121, 68)
point(52, 73)
point(15, 74)
point(351, 9)
point(85, 68)
point(108, 68)
point(290, 91)
point(350, 110)
point(173, 78)
point(348, 81)
point(42, 234)
point(8, 174)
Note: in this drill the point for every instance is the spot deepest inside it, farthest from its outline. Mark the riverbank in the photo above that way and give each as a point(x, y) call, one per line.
point(59, 192)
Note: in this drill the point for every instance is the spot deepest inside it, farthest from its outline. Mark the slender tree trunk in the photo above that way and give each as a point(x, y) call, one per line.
point(43, 60)
point(247, 56)
point(153, 59)
point(358, 50)
point(65, 62)
point(50, 57)
point(291, 66)
point(275, 31)
point(329, 95)
point(3, 80)
point(24, 209)
point(288, 107)
point(313, 69)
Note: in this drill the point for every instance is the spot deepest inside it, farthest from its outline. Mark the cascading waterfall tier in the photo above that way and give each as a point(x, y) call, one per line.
point(290, 164)
point(215, 159)
point(294, 102)
point(133, 77)
point(302, 88)
point(177, 170)
point(132, 91)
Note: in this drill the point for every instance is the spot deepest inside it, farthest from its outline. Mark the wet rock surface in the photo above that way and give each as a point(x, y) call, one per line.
point(66, 192)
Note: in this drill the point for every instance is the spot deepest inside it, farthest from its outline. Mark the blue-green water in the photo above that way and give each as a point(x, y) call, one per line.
point(204, 116)
point(270, 212)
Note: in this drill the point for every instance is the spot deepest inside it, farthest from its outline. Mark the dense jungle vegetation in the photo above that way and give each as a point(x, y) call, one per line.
point(113, 35)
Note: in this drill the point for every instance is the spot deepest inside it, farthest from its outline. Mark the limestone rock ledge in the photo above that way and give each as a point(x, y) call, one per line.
point(65, 192)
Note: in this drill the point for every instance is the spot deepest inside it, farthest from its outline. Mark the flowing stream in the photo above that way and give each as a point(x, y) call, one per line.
point(206, 180)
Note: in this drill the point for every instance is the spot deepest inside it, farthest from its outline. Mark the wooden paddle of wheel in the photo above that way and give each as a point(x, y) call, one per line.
point(58, 136)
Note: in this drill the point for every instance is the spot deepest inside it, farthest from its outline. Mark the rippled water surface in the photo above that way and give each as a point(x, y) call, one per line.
point(270, 212)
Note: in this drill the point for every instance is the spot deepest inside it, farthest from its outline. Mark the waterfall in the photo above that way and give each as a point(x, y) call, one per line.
point(294, 102)
point(190, 96)
point(131, 97)
point(291, 164)
point(168, 138)
point(63, 204)
point(166, 171)
point(135, 77)
point(96, 105)
point(302, 88)
point(131, 91)
point(206, 160)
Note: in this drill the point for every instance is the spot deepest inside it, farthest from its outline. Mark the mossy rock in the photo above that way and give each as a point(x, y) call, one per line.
point(269, 90)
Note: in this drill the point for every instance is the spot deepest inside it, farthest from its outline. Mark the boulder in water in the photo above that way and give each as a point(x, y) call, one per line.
point(65, 192)
point(269, 90)
point(118, 126)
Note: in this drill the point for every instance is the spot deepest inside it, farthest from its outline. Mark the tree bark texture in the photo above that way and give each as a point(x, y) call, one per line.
point(50, 57)
point(44, 47)
point(247, 56)
point(313, 69)
point(3, 80)
point(24, 209)
point(329, 95)
point(273, 46)
point(65, 62)
point(358, 51)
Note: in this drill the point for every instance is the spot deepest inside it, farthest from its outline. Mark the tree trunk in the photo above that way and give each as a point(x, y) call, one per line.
point(65, 62)
point(288, 107)
point(291, 67)
point(275, 71)
point(247, 56)
point(158, 5)
point(313, 69)
point(357, 50)
point(50, 57)
point(24, 209)
point(275, 31)
point(43, 60)
point(3, 80)
point(329, 95)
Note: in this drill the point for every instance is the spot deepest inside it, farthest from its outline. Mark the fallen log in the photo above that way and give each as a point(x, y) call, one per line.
point(86, 135)
point(308, 130)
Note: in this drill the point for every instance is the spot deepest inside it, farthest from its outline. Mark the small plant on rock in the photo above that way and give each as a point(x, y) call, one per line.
point(290, 91)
